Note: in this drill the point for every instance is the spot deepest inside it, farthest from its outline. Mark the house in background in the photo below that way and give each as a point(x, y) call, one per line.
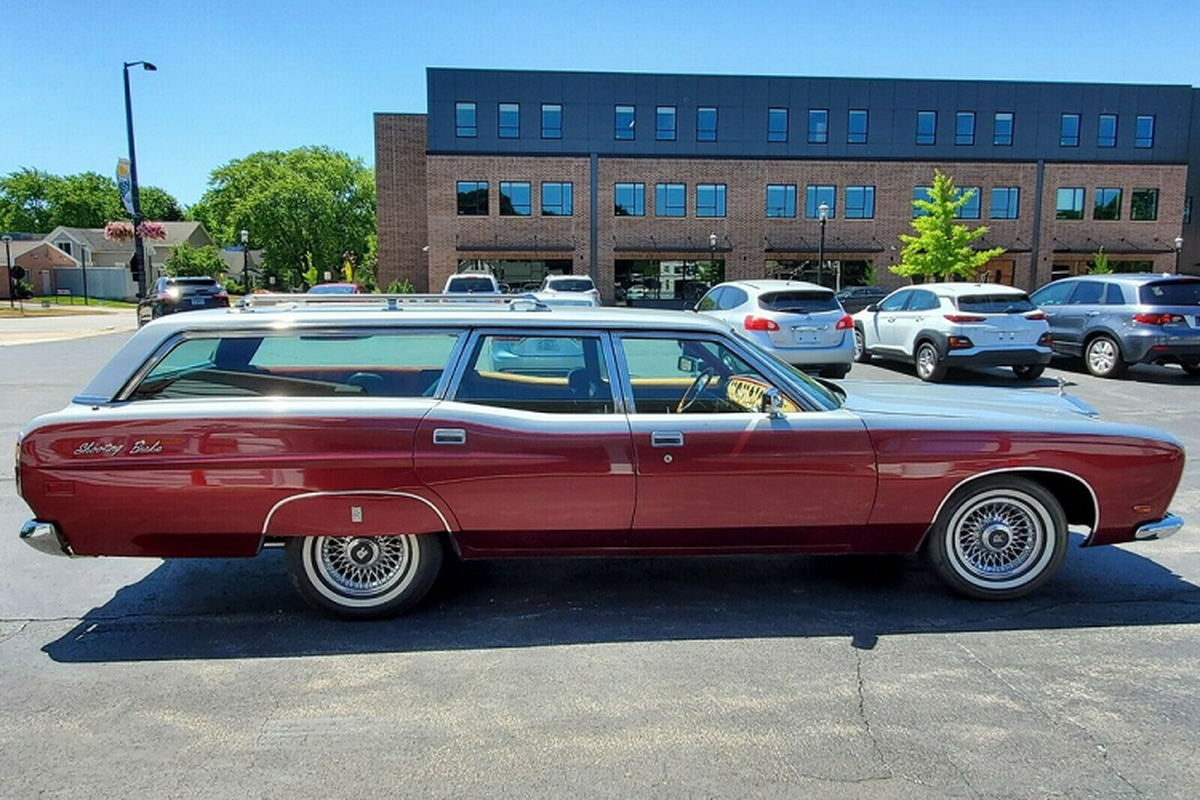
point(40, 260)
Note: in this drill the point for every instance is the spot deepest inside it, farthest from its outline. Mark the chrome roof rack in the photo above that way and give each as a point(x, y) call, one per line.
point(388, 302)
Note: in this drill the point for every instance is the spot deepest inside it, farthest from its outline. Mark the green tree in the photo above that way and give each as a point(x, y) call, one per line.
point(1100, 265)
point(25, 201)
point(158, 205)
point(38, 202)
point(306, 209)
point(87, 200)
point(942, 246)
point(188, 261)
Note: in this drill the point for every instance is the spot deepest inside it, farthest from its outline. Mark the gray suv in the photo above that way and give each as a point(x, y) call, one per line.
point(1116, 320)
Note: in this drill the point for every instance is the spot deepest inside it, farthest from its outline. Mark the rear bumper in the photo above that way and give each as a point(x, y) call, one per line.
point(1160, 529)
point(45, 537)
point(1014, 357)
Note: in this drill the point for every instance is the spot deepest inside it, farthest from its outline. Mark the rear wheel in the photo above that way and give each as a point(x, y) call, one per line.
point(1028, 372)
point(861, 354)
point(364, 577)
point(998, 538)
point(930, 366)
point(1192, 369)
point(1102, 356)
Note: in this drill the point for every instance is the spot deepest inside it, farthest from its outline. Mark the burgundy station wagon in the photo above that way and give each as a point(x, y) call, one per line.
point(374, 437)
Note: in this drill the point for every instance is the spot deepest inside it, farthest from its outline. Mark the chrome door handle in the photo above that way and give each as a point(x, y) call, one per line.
point(449, 436)
point(1093, 313)
point(666, 439)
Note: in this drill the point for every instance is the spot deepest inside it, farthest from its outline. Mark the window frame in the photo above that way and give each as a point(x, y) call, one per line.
point(1067, 215)
point(929, 137)
point(566, 191)
point(975, 204)
point(814, 195)
point(1143, 141)
point(666, 133)
point(786, 199)
point(510, 129)
point(703, 132)
point(854, 136)
point(664, 194)
point(867, 205)
point(718, 206)
point(967, 137)
point(1065, 137)
point(775, 136)
point(552, 131)
point(639, 198)
point(627, 132)
point(999, 139)
point(1102, 140)
point(461, 130)
point(507, 190)
point(1012, 205)
point(486, 205)
point(1109, 194)
point(818, 126)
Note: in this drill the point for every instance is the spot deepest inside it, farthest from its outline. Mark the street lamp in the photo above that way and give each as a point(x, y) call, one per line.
point(246, 260)
point(1178, 247)
point(712, 255)
point(139, 250)
point(8, 260)
point(823, 213)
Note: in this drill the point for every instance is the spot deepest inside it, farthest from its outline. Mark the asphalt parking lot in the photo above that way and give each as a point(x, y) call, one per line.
point(723, 677)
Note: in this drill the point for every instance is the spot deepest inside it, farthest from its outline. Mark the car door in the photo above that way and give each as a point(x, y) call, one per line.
point(909, 321)
point(1075, 316)
point(531, 450)
point(877, 329)
point(715, 472)
point(1051, 299)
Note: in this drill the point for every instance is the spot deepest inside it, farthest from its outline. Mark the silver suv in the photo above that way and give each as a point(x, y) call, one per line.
point(1116, 320)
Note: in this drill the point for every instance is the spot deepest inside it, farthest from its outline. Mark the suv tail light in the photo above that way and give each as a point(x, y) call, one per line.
point(1158, 319)
point(844, 324)
point(754, 323)
point(1036, 315)
point(1045, 340)
point(959, 318)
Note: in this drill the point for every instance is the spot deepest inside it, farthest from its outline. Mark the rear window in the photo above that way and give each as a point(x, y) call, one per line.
point(1006, 303)
point(192, 285)
point(471, 285)
point(1171, 293)
point(799, 301)
point(571, 285)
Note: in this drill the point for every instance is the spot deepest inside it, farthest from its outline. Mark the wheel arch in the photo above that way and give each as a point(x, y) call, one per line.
point(933, 337)
point(1092, 334)
point(363, 512)
point(1074, 494)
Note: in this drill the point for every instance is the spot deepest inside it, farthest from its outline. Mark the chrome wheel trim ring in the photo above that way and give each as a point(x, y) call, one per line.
point(1102, 356)
point(360, 571)
point(1001, 539)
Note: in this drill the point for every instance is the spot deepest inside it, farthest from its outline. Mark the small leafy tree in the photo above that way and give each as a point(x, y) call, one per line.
point(189, 261)
point(942, 245)
point(1100, 265)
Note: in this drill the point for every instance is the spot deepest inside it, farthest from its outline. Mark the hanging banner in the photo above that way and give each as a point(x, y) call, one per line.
point(125, 184)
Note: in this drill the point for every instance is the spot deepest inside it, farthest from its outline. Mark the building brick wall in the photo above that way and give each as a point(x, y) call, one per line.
point(400, 192)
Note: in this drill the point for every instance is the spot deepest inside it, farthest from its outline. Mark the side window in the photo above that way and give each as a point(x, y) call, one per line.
point(551, 374)
point(733, 297)
point(301, 364)
point(896, 301)
point(711, 301)
point(1053, 295)
point(922, 301)
point(1113, 295)
point(1087, 293)
point(692, 376)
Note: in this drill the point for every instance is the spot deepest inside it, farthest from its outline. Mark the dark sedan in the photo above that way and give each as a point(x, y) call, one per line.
point(856, 298)
point(172, 295)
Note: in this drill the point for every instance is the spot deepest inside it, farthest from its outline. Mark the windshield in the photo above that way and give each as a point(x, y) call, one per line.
point(1171, 293)
point(999, 303)
point(826, 395)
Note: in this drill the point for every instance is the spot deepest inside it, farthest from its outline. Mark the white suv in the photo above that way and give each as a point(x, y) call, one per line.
point(471, 283)
point(571, 284)
point(941, 325)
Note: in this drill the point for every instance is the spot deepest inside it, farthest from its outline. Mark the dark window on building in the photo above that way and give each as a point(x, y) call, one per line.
point(781, 200)
point(710, 200)
point(1143, 132)
point(623, 119)
point(664, 123)
point(969, 209)
point(1006, 202)
point(670, 199)
point(860, 202)
point(558, 199)
point(777, 124)
point(1068, 131)
point(814, 196)
point(706, 124)
point(510, 120)
point(818, 126)
point(1002, 129)
point(472, 198)
point(516, 199)
point(856, 126)
point(964, 127)
point(1106, 131)
point(464, 120)
point(926, 127)
point(1143, 204)
point(1107, 204)
point(920, 193)
point(551, 121)
point(629, 200)
point(1069, 204)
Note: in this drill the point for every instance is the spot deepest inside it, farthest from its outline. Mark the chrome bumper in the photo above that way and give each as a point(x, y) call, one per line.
point(1159, 530)
point(45, 538)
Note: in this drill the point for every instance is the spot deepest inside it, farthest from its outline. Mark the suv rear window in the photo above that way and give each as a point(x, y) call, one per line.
point(798, 301)
point(571, 285)
point(1171, 293)
point(192, 285)
point(996, 303)
point(471, 284)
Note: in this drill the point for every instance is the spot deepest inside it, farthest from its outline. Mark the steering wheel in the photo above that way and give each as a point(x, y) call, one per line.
point(694, 389)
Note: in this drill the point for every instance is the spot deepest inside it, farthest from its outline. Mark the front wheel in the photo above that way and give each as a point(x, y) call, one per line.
point(1102, 356)
point(861, 354)
point(998, 538)
point(1192, 369)
point(930, 366)
point(364, 577)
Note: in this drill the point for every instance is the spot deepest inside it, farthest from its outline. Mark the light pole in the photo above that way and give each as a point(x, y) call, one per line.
point(1178, 247)
point(712, 255)
point(139, 249)
point(8, 260)
point(823, 213)
point(246, 260)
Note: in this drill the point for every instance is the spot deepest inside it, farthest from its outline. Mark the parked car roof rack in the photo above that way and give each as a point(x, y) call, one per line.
point(388, 302)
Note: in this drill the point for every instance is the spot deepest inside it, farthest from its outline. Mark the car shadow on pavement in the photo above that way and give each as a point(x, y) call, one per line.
point(222, 609)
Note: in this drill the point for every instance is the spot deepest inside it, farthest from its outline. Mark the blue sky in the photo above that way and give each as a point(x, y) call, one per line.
point(237, 77)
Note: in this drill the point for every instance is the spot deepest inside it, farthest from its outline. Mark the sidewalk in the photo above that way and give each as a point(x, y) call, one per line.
point(40, 326)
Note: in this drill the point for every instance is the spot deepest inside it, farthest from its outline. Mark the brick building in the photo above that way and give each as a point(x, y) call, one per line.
point(652, 182)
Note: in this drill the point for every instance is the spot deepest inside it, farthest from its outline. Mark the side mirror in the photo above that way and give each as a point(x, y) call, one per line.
point(872, 308)
point(772, 403)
